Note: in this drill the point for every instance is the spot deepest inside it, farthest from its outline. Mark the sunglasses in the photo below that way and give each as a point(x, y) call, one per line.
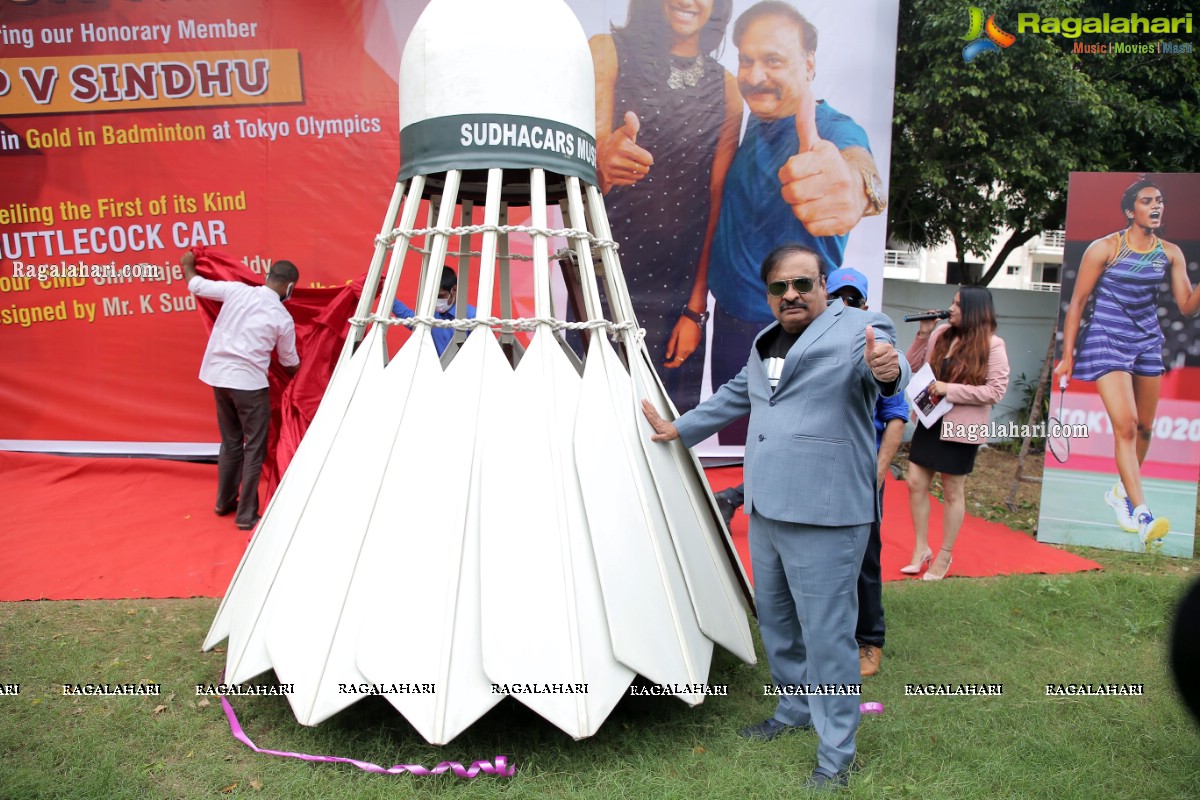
point(801, 285)
point(853, 302)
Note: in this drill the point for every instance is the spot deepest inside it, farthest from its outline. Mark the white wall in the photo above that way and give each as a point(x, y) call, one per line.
point(1025, 319)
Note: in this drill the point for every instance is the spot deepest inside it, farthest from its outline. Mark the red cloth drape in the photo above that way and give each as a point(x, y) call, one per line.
point(322, 324)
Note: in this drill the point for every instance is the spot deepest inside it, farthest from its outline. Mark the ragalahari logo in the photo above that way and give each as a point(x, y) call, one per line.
point(984, 38)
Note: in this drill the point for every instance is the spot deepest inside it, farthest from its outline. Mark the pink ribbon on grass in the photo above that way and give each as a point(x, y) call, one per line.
point(477, 768)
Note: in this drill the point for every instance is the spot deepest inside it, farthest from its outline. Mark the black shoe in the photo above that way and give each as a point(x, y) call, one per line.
point(824, 782)
point(768, 729)
point(727, 506)
point(222, 511)
point(248, 526)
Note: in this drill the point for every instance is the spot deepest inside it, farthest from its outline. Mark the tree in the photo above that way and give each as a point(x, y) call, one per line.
point(985, 147)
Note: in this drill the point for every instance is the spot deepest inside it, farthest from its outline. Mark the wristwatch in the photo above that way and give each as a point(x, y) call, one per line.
point(876, 198)
point(699, 319)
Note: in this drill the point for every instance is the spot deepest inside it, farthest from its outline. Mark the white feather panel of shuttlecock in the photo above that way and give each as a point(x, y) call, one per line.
point(494, 520)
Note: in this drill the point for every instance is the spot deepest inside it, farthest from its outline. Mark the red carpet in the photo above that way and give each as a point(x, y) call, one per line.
point(112, 528)
point(984, 549)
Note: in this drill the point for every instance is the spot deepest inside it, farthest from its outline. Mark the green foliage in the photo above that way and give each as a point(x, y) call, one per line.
point(987, 146)
point(1028, 388)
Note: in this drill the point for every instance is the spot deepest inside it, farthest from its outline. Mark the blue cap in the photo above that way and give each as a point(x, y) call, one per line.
point(846, 276)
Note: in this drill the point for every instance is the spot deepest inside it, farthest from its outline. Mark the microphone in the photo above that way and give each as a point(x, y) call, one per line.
point(927, 315)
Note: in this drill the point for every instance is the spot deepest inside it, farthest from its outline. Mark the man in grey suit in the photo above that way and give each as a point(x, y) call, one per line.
point(809, 387)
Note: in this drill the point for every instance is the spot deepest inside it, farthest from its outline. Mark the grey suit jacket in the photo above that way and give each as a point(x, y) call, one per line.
point(810, 447)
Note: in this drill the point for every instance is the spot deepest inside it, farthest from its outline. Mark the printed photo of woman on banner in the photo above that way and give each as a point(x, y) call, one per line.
point(1129, 358)
point(667, 121)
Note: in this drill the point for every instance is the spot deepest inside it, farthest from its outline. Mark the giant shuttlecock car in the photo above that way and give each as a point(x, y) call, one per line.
point(494, 520)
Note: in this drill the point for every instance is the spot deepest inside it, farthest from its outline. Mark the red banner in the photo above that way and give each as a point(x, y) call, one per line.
point(130, 131)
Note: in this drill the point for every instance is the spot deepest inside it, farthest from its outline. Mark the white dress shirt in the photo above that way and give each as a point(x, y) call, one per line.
point(252, 323)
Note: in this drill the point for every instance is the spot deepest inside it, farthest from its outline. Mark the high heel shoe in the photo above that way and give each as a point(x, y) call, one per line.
point(915, 569)
point(929, 576)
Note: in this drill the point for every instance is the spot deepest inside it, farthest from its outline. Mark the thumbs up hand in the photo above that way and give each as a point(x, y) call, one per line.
point(825, 191)
point(881, 357)
point(621, 161)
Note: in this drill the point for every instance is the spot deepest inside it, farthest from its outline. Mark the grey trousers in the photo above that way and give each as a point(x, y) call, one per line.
point(805, 587)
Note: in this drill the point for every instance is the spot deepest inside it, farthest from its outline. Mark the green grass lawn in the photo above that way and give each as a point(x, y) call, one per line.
point(1023, 632)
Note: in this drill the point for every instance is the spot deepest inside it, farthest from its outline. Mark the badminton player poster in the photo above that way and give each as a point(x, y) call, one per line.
point(1129, 351)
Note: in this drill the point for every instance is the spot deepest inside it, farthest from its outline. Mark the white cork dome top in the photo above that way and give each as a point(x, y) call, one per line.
point(484, 81)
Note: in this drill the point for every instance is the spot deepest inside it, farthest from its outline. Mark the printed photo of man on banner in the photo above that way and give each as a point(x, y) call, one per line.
point(716, 142)
point(1128, 366)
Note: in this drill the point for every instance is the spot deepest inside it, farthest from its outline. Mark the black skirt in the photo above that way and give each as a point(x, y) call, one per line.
point(929, 451)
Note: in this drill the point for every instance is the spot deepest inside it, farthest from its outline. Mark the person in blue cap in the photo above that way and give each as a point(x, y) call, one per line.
point(891, 413)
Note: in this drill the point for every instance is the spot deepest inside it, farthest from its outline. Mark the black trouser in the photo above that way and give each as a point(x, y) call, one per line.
point(870, 588)
point(870, 628)
point(243, 416)
point(732, 342)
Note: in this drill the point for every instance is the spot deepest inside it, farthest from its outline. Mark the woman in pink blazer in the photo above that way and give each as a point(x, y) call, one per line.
point(971, 366)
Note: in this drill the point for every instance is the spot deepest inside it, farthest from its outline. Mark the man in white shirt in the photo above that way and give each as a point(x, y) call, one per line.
point(252, 323)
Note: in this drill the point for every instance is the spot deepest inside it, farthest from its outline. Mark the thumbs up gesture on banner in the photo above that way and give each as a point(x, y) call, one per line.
point(622, 162)
point(824, 190)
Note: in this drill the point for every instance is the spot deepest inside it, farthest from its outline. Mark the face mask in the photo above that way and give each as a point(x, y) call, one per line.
point(442, 306)
point(288, 296)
